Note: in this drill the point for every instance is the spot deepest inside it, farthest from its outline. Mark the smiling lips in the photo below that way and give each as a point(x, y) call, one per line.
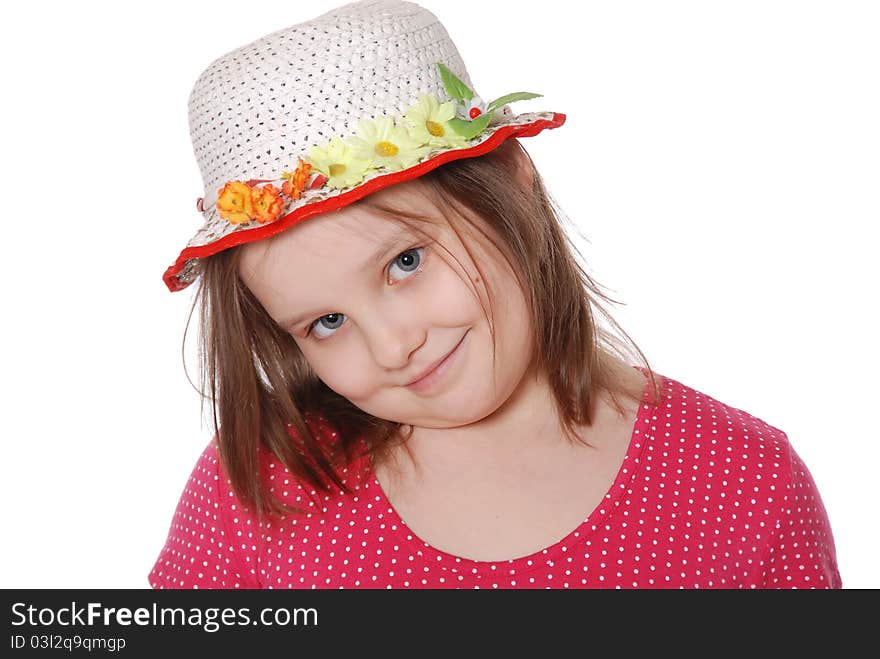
point(436, 369)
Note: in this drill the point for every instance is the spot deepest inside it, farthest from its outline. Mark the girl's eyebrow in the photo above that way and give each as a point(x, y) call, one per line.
point(378, 257)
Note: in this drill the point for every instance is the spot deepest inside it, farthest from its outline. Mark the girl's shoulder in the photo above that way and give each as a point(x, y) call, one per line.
point(350, 471)
point(710, 459)
point(700, 422)
point(209, 472)
point(725, 455)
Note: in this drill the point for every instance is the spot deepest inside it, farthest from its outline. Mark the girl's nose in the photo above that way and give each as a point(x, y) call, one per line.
point(393, 339)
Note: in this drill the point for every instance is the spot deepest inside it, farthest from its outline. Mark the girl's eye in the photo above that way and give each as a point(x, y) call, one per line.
point(407, 262)
point(410, 260)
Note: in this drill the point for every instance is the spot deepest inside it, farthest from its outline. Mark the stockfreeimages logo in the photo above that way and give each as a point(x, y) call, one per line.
point(209, 619)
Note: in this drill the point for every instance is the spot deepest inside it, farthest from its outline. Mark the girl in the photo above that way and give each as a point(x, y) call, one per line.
point(409, 381)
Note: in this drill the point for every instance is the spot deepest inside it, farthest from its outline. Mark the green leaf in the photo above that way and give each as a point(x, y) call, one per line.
point(510, 98)
point(470, 129)
point(454, 87)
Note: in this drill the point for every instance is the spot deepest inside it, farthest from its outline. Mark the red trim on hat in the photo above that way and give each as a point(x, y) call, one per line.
point(346, 198)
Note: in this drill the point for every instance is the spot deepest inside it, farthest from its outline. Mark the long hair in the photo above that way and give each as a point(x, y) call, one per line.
point(265, 397)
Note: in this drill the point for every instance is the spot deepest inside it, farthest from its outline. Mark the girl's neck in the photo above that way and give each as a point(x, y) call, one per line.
point(523, 430)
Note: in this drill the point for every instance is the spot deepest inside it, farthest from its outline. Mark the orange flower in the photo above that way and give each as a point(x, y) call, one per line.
point(234, 202)
point(295, 182)
point(267, 203)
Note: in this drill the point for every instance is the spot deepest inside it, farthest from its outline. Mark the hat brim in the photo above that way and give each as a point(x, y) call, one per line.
point(179, 275)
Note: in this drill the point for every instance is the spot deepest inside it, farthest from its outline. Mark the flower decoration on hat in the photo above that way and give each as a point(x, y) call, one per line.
point(295, 182)
point(267, 203)
point(338, 163)
point(471, 109)
point(381, 145)
point(234, 202)
point(428, 121)
point(391, 147)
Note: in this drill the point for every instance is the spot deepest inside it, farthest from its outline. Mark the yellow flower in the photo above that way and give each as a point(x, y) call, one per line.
point(388, 146)
point(234, 202)
point(338, 163)
point(428, 123)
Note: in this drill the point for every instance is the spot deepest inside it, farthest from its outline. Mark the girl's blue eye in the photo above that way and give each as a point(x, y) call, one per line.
point(407, 262)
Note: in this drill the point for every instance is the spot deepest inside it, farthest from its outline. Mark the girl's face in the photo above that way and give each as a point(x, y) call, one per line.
point(373, 307)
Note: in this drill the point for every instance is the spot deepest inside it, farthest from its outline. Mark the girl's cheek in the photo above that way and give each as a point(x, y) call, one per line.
point(447, 300)
point(341, 368)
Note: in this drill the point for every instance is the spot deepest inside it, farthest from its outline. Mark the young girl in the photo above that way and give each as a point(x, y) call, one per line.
point(409, 381)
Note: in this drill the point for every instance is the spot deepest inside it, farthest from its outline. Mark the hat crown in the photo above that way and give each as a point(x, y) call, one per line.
point(255, 110)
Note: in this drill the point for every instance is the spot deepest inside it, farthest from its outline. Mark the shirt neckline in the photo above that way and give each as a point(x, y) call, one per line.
point(540, 558)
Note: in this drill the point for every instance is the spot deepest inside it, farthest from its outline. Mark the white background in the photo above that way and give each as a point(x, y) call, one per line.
point(721, 158)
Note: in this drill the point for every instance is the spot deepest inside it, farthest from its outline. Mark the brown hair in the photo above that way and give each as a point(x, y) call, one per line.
point(263, 390)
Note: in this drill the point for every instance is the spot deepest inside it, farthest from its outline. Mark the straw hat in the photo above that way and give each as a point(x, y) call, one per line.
point(313, 117)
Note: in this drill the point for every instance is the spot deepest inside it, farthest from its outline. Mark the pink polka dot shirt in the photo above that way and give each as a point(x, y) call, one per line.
point(708, 496)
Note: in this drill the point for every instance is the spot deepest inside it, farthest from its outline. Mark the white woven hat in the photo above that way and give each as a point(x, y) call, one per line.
point(313, 117)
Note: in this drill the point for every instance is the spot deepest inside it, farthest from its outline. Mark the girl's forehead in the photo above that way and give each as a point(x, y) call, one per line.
point(349, 231)
point(352, 236)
